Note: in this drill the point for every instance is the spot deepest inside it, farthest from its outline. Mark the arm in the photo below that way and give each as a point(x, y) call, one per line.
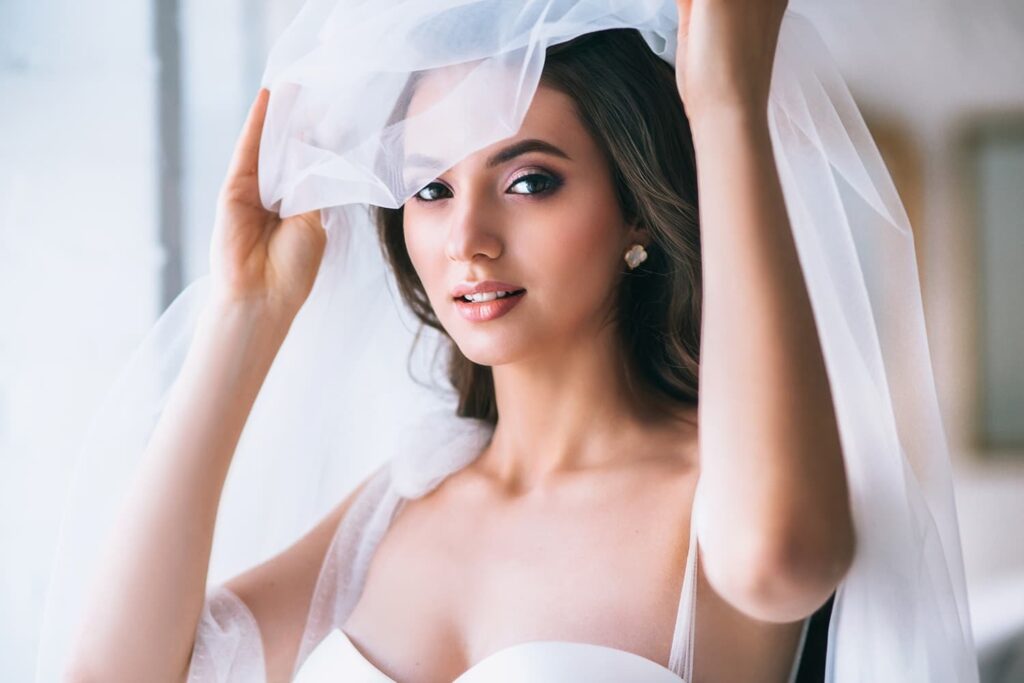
point(141, 620)
point(776, 532)
point(143, 611)
point(279, 591)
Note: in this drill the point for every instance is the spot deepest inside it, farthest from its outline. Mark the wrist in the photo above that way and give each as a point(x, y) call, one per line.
point(252, 326)
point(255, 307)
point(740, 117)
point(723, 95)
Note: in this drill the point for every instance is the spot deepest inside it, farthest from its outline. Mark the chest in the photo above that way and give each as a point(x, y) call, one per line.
point(459, 577)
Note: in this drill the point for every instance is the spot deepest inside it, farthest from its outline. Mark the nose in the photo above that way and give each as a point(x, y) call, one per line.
point(473, 231)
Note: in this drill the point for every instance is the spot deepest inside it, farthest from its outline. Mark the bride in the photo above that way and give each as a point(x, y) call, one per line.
point(583, 288)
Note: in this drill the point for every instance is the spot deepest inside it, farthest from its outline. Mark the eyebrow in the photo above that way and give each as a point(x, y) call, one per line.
point(501, 156)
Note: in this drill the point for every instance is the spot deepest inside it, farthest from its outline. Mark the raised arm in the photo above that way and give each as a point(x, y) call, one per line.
point(142, 612)
point(776, 534)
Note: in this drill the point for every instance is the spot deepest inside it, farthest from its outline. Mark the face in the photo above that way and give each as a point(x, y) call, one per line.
point(536, 212)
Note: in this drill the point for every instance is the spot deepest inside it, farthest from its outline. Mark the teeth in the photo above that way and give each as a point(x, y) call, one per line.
point(485, 296)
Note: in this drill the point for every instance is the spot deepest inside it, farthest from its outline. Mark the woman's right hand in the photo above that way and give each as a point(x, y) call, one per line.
point(255, 256)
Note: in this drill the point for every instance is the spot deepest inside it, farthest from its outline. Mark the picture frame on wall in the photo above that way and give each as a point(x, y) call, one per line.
point(993, 162)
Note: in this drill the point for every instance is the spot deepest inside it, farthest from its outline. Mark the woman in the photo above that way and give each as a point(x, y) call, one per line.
point(586, 366)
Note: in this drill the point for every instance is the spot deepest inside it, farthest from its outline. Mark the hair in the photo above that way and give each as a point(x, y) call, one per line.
point(627, 99)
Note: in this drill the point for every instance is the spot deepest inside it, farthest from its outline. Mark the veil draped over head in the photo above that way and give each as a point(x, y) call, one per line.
point(350, 393)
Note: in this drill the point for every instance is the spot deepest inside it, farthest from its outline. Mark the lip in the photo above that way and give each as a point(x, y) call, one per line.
point(487, 310)
point(464, 288)
point(482, 311)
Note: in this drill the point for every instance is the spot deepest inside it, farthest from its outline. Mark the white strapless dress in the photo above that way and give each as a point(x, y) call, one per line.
point(336, 658)
point(229, 645)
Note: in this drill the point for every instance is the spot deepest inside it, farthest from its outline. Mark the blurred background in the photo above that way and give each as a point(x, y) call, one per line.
point(117, 120)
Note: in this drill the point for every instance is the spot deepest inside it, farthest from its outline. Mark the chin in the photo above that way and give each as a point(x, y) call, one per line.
point(493, 346)
point(484, 352)
point(498, 342)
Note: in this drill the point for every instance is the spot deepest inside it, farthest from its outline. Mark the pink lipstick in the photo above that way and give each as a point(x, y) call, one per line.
point(480, 302)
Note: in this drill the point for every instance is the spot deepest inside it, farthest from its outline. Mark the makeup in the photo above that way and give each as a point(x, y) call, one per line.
point(486, 301)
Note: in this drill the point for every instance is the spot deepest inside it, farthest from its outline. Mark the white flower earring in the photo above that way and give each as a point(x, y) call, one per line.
point(635, 256)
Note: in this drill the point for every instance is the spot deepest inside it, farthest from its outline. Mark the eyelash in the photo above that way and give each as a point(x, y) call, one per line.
point(553, 180)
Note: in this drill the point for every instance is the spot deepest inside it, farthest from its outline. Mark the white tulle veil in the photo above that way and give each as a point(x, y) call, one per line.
point(344, 397)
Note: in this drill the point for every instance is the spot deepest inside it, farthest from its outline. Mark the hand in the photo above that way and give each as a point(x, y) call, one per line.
point(255, 256)
point(725, 53)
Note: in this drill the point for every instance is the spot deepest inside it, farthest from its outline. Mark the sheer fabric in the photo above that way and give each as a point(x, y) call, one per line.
point(229, 635)
point(371, 100)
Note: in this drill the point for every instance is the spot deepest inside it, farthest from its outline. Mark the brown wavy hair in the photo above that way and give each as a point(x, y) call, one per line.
point(627, 98)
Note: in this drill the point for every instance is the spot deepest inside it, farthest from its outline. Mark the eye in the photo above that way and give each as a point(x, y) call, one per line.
point(541, 182)
point(547, 182)
point(419, 195)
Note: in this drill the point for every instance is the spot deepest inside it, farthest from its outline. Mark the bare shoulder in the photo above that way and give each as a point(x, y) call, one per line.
point(278, 592)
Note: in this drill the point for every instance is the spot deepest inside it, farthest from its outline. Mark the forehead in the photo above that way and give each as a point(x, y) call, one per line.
point(447, 118)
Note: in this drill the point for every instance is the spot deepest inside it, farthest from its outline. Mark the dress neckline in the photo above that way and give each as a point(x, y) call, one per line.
point(344, 575)
point(337, 649)
point(368, 520)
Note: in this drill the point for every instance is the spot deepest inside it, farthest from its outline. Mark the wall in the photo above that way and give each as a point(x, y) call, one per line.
point(78, 262)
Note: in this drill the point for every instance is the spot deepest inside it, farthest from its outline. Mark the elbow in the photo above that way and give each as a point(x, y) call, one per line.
point(80, 672)
point(801, 576)
point(787, 581)
point(79, 667)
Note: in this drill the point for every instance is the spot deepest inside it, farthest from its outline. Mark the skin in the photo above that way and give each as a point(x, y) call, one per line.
point(573, 456)
point(573, 523)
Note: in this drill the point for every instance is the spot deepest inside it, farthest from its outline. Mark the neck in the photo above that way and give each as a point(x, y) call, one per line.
point(572, 410)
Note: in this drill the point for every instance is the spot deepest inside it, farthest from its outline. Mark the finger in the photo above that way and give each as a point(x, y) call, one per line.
point(245, 159)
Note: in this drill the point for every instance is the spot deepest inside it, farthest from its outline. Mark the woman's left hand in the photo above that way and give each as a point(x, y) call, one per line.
point(726, 51)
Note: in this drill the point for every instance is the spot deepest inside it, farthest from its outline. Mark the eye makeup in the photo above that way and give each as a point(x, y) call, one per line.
point(550, 180)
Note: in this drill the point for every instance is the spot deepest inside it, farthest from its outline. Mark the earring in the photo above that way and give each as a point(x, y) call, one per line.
point(635, 256)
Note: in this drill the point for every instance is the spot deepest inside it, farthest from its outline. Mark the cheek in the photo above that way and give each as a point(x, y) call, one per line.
point(580, 250)
point(427, 257)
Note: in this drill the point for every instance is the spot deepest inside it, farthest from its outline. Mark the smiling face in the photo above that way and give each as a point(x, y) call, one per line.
point(555, 225)
point(536, 211)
